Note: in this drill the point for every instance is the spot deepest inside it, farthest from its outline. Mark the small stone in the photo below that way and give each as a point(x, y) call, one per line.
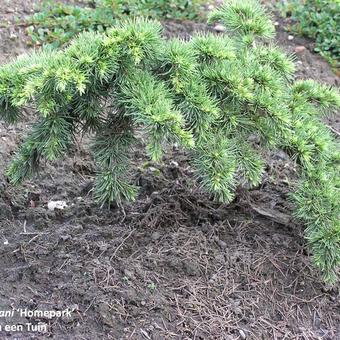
point(222, 244)
point(276, 23)
point(290, 37)
point(174, 164)
point(156, 236)
point(299, 49)
point(143, 303)
point(219, 28)
point(60, 205)
point(13, 36)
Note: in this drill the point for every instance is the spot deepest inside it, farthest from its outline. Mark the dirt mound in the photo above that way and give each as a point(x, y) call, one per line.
point(174, 264)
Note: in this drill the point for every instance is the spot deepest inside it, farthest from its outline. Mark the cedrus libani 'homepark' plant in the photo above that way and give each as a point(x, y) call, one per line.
point(210, 95)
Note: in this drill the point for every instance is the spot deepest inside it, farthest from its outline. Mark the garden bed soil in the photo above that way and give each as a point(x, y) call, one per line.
point(173, 264)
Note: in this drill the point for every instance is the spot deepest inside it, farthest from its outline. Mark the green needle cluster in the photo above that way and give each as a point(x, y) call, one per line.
point(212, 95)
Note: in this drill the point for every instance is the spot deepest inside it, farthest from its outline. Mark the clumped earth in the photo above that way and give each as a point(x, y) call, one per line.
point(172, 265)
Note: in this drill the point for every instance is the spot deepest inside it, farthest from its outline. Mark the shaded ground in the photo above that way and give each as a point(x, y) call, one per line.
point(172, 265)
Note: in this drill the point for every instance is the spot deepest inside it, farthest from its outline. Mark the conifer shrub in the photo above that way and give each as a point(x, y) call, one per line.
point(210, 95)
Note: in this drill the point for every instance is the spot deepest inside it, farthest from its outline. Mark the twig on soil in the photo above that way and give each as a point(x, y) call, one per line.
point(32, 239)
point(89, 306)
point(64, 264)
point(274, 215)
point(145, 334)
point(334, 130)
point(121, 244)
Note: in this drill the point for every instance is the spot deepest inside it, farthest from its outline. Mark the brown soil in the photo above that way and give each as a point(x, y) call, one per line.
point(172, 265)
